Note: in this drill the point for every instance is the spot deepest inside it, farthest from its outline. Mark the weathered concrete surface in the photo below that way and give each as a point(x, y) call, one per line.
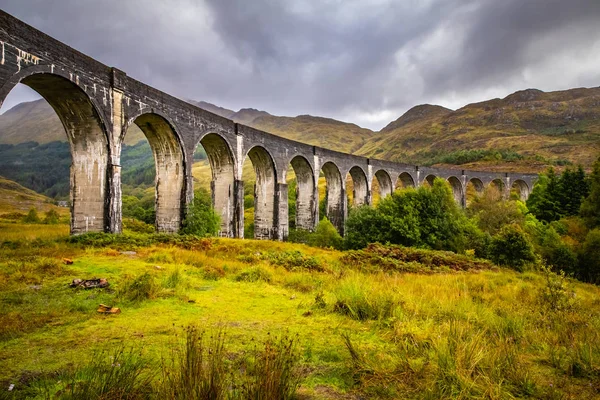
point(97, 104)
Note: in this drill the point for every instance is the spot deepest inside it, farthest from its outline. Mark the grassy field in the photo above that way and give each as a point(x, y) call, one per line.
point(453, 327)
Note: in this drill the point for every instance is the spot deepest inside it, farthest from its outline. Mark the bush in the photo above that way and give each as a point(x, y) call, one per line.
point(295, 260)
point(32, 217)
point(325, 236)
point(201, 219)
point(254, 275)
point(511, 247)
point(589, 258)
point(424, 217)
point(141, 288)
point(51, 217)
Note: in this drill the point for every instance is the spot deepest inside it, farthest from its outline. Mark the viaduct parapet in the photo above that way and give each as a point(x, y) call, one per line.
point(97, 104)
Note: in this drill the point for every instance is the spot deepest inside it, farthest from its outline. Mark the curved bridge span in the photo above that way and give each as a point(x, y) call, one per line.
point(97, 104)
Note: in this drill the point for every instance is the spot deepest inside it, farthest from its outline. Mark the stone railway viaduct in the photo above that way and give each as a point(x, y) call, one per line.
point(96, 104)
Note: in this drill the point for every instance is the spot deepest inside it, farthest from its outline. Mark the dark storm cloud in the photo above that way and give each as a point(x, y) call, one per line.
point(361, 61)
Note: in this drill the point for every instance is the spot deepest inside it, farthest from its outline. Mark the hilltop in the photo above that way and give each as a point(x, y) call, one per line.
point(16, 198)
point(526, 131)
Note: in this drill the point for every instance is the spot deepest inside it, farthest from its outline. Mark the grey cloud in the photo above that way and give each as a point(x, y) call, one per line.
point(351, 59)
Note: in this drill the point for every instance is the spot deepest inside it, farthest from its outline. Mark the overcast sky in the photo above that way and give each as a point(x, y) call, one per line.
point(361, 61)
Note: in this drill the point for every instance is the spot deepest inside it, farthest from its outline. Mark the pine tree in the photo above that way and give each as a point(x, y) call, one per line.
point(590, 208)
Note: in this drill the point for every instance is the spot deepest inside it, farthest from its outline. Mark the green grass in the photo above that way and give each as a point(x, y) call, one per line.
point(357, 330)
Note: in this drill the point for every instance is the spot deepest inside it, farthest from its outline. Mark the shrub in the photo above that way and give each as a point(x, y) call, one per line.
point(556, 295)
point(138, 226)
point(589, 258)
point(141, 288)
point(391, 258)
point(325, 236)
point(365, 225)
point(511, 247)
point(201, 219)
point(32, 217)
point(51, 217)
point(295, 260)
point(254, 275)
point(299, 236)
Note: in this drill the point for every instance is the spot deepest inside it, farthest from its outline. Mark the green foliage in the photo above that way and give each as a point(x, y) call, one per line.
point(255, 274)
point(468, 156)
point(196, 369)
point(51, 217)
point(391, 258)
point(143, 287)
point(201, 219)
point(294, 260)
point(121, 374)
point(589, 258)
point(272, 372)
point(362, 302)
point(511, 247)
point(424, 217)
point(325, 236)
point(554, 197)
point(32, 217)
point(492, 211)
point(590, 208)
point(557, 294)
point(135, 225)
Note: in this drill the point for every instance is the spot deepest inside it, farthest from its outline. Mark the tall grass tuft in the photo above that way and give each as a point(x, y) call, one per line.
point(365, 302)
point(118, 375)
point(197, 369)
point(141, 288)
point(272, 374)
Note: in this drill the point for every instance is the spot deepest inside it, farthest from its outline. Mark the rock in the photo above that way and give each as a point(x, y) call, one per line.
point(157, 267)
point(90, 283)
point(35, 287)
point(67, 261)
point(104, 309)
point(293, 297)
point(128, 253)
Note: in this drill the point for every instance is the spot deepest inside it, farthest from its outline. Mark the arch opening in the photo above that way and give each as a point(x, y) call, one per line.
point(169, 183)
point(474, 188)
point(301, 194)
point(333, 204)
point(264, 194)
point(520, 190)
point(499, 184)
point(382, 186)
point(405, 180)
point(357, 187)
point(429, 180)
point(88, 147)
point(457, 189)
point(214, 153)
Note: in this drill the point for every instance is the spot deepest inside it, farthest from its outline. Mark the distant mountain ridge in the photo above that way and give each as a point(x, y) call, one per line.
point(534, 128)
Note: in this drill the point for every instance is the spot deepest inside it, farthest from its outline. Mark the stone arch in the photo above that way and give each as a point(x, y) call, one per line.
point(385, 183)
point(360, 186)
point(305, 193)
point(222, 166)
point(457, 189)
point(405, 180)
point(169, 162)
point(522, 189)
point(498, 183)
point(264, 192)
point(87, 136)
point(334, 209)
point(429, 179)
point(477, 184)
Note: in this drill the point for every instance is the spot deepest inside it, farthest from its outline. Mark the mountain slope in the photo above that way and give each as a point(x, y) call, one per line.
point(525, 131)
